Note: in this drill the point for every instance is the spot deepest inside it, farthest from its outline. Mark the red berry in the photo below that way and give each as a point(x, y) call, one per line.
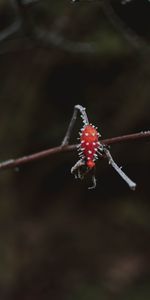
point(89, 144)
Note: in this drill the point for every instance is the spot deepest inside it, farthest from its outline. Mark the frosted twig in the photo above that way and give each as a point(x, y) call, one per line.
point(72, 122)
point(130, 183)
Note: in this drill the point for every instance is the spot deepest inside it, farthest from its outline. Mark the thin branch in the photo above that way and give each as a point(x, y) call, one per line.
point(50, 38)
point(14, 27)
point(13, 163)
point(120, 26)
point(131, 184)
point(45, 38)
point(72, 122)
point(126, 138)
point(10, 30)
point(53, 39)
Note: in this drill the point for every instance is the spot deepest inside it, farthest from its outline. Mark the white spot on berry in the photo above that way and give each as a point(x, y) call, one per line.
point(88, 158)
point(82, 141)
point(94, 143)
point(87, 143)
point(90, 152)
point(93, 134)
point(86, 134)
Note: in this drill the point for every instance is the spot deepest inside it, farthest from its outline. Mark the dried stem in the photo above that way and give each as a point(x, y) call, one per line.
point(131, 184)
point(126, 138)
point(77, 108)
point(13, 163)
point(120, 26)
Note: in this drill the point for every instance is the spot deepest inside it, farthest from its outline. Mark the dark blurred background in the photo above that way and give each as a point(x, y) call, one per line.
point(59, 240)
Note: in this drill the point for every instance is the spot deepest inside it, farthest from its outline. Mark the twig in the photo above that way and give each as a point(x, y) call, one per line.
point(14, 27)
point(131, 184)
point(46, 38)
point(13, 163)
point(118, 23)
point(54, 39)
point(10, 30)
point(120, 26)
point(128, 137)
point(72, 122)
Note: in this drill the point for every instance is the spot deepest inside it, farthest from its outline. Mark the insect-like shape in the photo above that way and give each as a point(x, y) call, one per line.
point(90, 148)
point(89, 145)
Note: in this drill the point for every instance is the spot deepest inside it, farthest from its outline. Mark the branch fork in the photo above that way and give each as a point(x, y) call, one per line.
point(101, 150)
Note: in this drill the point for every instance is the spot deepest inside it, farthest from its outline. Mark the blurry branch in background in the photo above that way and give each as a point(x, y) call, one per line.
point(6, 33)
point(127, 33)
point(10, 30)
point(119, 25)
point(40, 36)
point(13, 163)
point(55, 38)
point(13, 28)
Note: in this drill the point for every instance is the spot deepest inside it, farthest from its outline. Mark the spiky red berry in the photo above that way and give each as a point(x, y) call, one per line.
point(89, 144)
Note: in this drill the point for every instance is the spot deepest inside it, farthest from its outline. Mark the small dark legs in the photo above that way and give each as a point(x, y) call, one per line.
point(72, 122)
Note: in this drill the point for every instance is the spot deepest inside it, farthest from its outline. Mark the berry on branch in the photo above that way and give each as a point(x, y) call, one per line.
point(89, 149)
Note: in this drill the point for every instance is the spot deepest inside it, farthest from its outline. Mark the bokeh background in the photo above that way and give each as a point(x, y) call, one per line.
point(59, 240)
